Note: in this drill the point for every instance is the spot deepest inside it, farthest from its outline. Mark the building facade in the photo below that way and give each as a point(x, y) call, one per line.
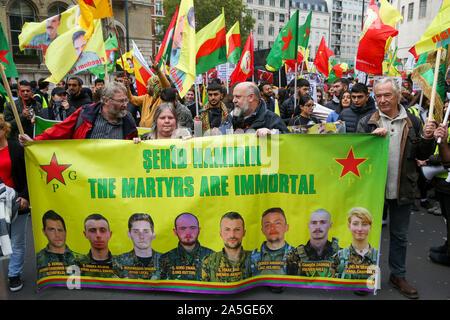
point(272, 15)
point(30, 63)
point(417, 16)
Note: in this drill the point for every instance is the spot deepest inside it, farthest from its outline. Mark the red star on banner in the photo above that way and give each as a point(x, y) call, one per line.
point(89, 3)
point(2, 56)
point(287, 40)
point(54, 170)
point(350, 164)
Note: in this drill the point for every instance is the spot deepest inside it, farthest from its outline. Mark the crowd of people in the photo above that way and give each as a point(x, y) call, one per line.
point(113, 110)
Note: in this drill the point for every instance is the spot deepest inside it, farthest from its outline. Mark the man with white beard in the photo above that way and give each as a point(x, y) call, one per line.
point(250, 112)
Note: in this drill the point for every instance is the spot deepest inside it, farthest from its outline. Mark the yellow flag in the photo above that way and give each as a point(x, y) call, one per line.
point(70, 53)
point(93, 9)
point(438, 33)
point(388, 14)
point(182, 57)
point(128, 61)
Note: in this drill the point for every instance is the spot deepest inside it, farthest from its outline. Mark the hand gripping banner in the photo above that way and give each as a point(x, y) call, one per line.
point(215, 215)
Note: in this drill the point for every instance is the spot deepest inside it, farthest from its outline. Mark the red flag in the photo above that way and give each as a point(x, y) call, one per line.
point(244, 69)
point(373, 41)
point(291, 63)
point(265, 76)
point(212, 74)
point(413, 52)
point(322, 56)
point(167, 42)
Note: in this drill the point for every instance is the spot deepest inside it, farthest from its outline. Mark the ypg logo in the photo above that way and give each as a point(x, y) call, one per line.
point(55, 171)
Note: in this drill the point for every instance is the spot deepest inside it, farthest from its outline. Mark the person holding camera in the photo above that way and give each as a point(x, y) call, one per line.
point(59, 108)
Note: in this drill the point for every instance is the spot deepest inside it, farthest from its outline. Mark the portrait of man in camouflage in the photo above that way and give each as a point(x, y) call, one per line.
point(56, 256)
point(358, 261)
point(98, 261)
point(314, 258)
point(143, 261)
point(185, 261)
point(271, 257)
point(232, 263)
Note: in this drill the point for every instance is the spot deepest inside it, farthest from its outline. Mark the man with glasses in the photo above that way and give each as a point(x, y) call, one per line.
point(408, 142)
point(250, 112)
point(104, 120)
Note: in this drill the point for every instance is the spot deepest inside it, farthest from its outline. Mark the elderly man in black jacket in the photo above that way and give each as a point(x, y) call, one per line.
point(407, 143)
point(362, 105)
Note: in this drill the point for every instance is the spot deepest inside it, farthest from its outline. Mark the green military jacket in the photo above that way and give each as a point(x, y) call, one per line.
point(266, 261)
point(180, 264)
point(304, 260)
point(51, 264)
point(93, 268)
point(348, 264)
point(218, 268)
point(128, 265)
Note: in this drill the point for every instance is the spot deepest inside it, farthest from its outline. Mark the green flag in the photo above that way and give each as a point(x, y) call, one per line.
point(304, 31)
point(6, 57)
point(112, 54)
point(423, 75)
point(285, 46)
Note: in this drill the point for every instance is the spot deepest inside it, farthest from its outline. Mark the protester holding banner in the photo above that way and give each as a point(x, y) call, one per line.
point(104, 120)
point(250, 112)
point(13, 175)
point(362, 105)
point(184, 116)
point(407, 143)
point(27, 113)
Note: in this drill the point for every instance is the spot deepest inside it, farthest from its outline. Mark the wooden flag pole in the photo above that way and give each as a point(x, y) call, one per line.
point(433, 90)
point(120, 52)
point(11, 99)
point(106, 73)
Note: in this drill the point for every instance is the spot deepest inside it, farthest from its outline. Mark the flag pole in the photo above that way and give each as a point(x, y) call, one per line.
point(11, 99)
point(106, 73)
point(295, 85)
point(433, 90)
point(120, 52)
point(196, 98)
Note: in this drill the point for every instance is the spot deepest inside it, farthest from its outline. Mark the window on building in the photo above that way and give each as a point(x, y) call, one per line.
point(410, 11)
point(325, 23)
point(249, 1)
point(271, 31)
point(281, 17)
point(423, 8)
point(403, 13)
point(261, 15)
point(261, 29)
point(57, 8)
point(261, 2)
point(282, 3)
point(272, 3)
point(270, 44)
point(271, 16)
point(158, 8)
point(260, 44)
point(20, 11)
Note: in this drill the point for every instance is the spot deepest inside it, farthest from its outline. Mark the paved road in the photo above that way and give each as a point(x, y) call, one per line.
point(432, 280)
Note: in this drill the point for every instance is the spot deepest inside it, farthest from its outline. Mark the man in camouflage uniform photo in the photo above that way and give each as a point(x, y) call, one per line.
point(314, 258)
point(233, 262)
point(185, 261)
point(98, 262)
point(56, 256)
point(271, 257)
point(142, 262)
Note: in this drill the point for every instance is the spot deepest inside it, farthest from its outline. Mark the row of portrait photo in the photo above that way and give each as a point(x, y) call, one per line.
point(190, 261)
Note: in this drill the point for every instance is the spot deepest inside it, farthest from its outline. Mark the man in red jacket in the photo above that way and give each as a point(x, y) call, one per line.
point(104, 120)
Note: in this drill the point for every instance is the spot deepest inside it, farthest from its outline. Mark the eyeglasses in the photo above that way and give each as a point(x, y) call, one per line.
point(386, 96)
point(121, 101)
